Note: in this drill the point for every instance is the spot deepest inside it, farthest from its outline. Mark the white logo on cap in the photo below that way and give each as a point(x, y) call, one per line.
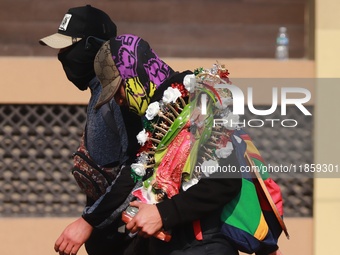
point(65, 21)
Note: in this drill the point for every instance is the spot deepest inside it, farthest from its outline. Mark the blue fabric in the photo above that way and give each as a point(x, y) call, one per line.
point(104, 145)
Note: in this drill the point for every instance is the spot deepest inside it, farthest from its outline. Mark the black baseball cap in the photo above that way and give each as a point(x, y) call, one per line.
point(79, 23)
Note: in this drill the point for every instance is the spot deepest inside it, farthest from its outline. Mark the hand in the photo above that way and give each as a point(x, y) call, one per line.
point(147, 221)
point(73, 237)
point(278, 252)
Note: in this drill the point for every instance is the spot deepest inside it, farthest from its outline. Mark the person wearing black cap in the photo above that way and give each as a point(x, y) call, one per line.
point(178, 141)
point(191, 213)
point(79, 37)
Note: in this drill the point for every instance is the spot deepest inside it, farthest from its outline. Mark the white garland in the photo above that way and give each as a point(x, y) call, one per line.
point(189, 82)
point(171, 95)
point(142, 137)
point(152, 110)
point(224, 152)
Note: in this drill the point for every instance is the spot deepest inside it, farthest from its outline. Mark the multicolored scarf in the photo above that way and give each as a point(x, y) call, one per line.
point(141, 69)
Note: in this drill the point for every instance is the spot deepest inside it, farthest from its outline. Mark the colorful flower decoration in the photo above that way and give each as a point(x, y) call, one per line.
point(176, 111)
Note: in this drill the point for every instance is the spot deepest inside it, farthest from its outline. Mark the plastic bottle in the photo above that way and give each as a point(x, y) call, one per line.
point(282, 44)
point(131, 211)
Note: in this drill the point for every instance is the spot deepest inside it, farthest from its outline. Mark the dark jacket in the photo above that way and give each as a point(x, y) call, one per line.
point(201, 201)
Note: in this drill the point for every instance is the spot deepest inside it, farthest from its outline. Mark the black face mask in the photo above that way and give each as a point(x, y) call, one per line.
point(77, 61)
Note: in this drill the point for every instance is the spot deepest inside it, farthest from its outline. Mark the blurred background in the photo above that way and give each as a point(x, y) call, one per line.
point(42, 114)
point(191, 28)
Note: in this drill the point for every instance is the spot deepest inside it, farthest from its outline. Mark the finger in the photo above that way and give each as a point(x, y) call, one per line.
point(135, 204)
point(62, 247)
point(130, 224)
point(75, 250)
point(143, 234)
point(68, 249)
point(57, 243)
point(134, 229)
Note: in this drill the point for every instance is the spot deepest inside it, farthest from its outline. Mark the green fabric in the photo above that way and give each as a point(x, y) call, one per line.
point(260, 165)
point(244, 211)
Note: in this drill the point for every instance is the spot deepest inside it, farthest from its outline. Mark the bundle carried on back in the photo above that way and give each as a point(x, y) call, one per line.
point(253, 220)
point(192, 129)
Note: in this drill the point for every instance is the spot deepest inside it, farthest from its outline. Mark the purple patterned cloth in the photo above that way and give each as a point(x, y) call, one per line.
point(134, 57)
point(141, 69)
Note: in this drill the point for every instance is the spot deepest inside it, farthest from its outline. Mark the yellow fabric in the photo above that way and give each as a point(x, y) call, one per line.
point(262, 229)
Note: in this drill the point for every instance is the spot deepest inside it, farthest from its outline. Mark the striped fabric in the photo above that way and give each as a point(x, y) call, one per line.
point(250, 222)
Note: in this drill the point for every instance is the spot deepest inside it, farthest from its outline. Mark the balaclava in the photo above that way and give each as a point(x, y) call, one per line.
point(77, 61)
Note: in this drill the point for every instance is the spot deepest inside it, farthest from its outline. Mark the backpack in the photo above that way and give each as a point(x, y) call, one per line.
point(252, 221)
